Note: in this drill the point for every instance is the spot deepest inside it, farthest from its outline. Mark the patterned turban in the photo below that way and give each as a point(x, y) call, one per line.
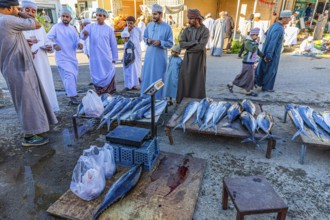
point(255, 30)
point(157, 8)
point(194, 13)
point(102, 12)
point(29, 3)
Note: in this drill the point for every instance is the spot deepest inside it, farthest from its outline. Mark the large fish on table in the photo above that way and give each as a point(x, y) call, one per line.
point(188, 112)
point(248, 106)
point(138, 114)
point(234, 112)
point(219, 113)
point(265, 122)
point(119, 106)
point(141, 104)
point(111, 104)
point(306, 114)
point(201, 109)
point(208, 116)
point(159, 108)
point(128, 108)
point(119, 189)
point(250, 123)
point(297, 120)
point(326, 118)
point(318, 118)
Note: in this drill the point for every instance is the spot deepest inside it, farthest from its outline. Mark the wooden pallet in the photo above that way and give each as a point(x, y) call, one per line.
point(149, 199)
point(235, 131)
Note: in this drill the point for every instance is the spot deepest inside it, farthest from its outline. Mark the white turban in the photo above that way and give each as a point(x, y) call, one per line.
point(257, 15)
point(285, 14)
point(102, 11)
point(326, 12)
point(297, 12)
point(67, 11)
point(29, 3)
point(124, 34)
point(176, 48)
point(86, 20)
point(157, 8)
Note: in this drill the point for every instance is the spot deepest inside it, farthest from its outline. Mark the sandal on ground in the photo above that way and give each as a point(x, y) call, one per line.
point(34, 140)
point(230, 88)
point(74, 101)
point(252, 94)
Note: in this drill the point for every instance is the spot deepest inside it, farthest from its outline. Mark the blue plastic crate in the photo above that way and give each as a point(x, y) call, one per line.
point(126, 156)
point(151, 164)
point(116, 151)
point(145, 153)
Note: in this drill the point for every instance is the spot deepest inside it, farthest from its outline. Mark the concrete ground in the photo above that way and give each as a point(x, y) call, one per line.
point(31, 179)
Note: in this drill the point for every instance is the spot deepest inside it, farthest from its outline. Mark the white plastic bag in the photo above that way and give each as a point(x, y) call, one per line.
point(104, 157)
point(92, 103)
point(88, 179)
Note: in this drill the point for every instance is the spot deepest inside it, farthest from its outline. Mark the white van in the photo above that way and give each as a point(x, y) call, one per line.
point(92, 15)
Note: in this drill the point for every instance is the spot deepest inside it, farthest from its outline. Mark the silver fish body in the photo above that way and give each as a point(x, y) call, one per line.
point(111, 104)
point(141, 104)
point(188, 112)
point(119, 189)
point(159, 107)
point(202, 107)
point(306, 114)
point(127, 108)
point(219, 113)
point(80, 109)
point(234, 112)
point(297, 120)
point(326, 118)
point(208, 115)
point(249, 122)
point(318, 118)
point(265, 122)
point(138, 114)
point(248, 106)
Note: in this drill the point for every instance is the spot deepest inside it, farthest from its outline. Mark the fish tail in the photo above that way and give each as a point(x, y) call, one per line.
point(297, 133)
point(118, 119)
point(184, 127)
point(264, 137)
point(108, 124)
point(102, 123)
point(247, 140)
point(215, 128)
point(179, 125)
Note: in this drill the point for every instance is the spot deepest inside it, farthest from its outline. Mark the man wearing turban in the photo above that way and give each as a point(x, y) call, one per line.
point(158, 36)
point(267, 69)
point(40, 49)
point(192, 77)
point(65, 41)
point(103, 53)
point(16, 64)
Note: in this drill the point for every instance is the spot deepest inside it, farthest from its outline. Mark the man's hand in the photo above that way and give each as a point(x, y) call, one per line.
point(149, 41)
point(80, 46)
point(85, 33)
point(156, 43)
point(48, 48)
point(57, 48)
point(267, 60)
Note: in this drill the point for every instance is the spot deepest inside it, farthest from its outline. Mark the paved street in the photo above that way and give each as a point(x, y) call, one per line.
point(31, 179)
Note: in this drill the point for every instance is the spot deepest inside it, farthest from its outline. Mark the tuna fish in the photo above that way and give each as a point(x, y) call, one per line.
point(119, 189)
point(250, 123)
point(128, 108)
point(106, 99)
point(318, 118)
point(208, 116)
point(265, 122)
point(119, 106)
point(219, 113)
point(138, 114)
point(248, 106)
point(159, 108)
point(141, 104)
point(297, 120)
point(111, 104)
point(306, 114)
point(189, 110)
point(80, 109)
point(233, 112)
point(202, 107)
point(326, 118)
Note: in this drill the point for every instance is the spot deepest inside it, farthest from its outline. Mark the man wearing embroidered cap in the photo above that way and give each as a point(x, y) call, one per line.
point(136, 38)
point(16, 65)
point(267, 68)
point(192, 77)
point(40, 48)
point(65, 41)
point(103, 53)
point(320, 25)
point(158, 36)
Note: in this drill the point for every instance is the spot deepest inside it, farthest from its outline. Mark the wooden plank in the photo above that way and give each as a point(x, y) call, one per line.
point(236, 129)
point(312, 140)
point(149, 195)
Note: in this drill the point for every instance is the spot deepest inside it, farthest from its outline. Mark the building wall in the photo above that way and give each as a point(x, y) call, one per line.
point(204, 6)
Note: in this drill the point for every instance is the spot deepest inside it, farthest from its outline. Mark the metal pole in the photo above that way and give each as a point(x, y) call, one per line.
point(283, 4)
point(325, 5)
point(153, 127)
point(317, 2)
point(255, 6)
point(135, 8)
point(237, 11)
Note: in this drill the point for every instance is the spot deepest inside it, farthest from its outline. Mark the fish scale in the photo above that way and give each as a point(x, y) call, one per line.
point(202, 107)
point(208, 116)
point(306, 114)
point(219, 113)
point(265, 122)
point(188, 112)
point(250, 124)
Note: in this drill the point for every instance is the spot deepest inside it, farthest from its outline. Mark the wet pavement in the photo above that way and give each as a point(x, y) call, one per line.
point(31, 179)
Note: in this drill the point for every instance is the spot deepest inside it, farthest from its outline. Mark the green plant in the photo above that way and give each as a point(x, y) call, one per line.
point(42, 21)
point(236, 46)
point(120, 41)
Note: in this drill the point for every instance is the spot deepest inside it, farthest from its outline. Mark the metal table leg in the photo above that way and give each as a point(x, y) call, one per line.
point(75, 128)
point(302, 154)
point(285, 115)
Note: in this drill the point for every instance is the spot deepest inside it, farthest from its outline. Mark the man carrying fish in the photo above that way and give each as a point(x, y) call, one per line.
point(192, 75)
point(158, 36)
point(16, 64)
point(267, 68)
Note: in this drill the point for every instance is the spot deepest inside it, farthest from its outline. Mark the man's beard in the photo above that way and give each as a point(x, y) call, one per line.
point(65, 21)
point(156, 19)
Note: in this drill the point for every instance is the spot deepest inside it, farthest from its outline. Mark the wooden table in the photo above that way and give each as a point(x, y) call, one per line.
point(311, 141)
point(149, 199)
point(235, 131)
point(252, 195)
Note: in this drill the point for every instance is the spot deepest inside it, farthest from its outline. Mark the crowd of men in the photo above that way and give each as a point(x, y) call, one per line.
point(24, 45)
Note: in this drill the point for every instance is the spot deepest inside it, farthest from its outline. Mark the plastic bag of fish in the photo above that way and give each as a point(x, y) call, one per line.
point(92, 104)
